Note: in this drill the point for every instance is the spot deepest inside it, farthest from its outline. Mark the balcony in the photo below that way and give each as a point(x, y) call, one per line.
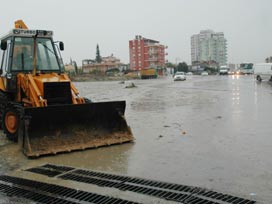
point(153, 59)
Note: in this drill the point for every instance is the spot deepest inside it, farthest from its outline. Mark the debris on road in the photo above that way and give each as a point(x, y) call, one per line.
point(131, 85)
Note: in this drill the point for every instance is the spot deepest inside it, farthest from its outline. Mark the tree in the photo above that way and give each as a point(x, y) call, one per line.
point(182, 67)
point(98, 57)
point(75, 66)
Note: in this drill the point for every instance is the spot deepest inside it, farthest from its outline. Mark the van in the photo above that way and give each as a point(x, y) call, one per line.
point(224, 70)
point(263, 71)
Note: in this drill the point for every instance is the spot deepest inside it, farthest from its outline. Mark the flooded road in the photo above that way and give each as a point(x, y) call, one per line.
point(211, 132)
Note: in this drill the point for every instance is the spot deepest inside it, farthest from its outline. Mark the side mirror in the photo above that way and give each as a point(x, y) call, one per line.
point(61, 46)
point(3, 45)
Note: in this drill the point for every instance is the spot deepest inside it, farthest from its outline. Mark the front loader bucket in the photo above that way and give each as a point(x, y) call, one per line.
point(64, 128)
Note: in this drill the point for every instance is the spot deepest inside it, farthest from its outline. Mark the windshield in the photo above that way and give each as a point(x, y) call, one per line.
point(23, 55)
point(180, 73)
point(246, 65)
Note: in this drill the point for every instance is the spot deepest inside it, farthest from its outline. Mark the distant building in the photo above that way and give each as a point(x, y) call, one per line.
point(71, 67)
point(209, 46)
point(146, 53)
point(107, 63)
point(195, 48)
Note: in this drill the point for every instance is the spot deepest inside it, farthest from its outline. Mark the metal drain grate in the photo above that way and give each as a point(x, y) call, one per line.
point(49, 193)
point(50, 170)
point(58, 168)
point(37, 197)
point(47, 172)
point(168, 191)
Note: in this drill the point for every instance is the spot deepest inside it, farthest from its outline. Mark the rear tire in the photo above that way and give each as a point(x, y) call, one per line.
point(259, 79)
point(11, 119)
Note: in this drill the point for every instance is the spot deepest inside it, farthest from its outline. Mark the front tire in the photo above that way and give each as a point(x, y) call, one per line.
point(11, 121)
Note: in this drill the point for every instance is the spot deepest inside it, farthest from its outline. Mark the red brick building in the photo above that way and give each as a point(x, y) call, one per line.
point(146, 53)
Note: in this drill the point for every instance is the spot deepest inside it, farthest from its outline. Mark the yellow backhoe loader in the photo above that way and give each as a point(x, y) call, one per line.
point(41, 108)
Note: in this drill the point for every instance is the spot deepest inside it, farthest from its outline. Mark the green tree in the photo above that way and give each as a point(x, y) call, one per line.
point(182, 67)
point(98, 57)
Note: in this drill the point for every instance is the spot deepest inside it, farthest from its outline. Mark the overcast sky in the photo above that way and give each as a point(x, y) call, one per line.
point(81, 24)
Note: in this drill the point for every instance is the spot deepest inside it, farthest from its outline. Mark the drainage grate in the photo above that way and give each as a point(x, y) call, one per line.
point(50, 170)
point(37, 197)
point(58, 168)
point(49, 193)
point(47, 172)
point(168, 191)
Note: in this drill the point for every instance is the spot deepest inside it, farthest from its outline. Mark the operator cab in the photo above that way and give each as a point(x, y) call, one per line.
point(21, 45)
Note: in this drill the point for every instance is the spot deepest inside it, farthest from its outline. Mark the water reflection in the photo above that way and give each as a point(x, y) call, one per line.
point(235, 94)
point(235, 76)
point(236, 106)
point(255, 94)
point(235, 98)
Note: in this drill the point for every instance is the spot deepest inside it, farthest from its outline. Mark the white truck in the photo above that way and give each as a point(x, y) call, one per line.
point(223, 70)
point(263, 71)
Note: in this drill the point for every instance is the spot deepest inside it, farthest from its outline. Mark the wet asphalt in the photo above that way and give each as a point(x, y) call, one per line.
point(208, 131)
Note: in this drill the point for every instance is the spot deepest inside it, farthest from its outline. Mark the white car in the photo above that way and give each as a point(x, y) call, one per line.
point(189, 73)
point(204, 73)
point(179, 76)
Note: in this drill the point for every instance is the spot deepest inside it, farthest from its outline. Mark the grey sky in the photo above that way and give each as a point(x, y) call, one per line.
point(112, 23)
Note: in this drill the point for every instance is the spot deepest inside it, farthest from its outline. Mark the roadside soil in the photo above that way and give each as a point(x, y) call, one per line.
point(99, 77)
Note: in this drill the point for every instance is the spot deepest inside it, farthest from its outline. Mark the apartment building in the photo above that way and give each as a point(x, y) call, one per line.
point(107, 63)
point(146, 53)
point(209, 46)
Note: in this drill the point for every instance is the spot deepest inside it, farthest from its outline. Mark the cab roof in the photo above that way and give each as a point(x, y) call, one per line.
point(28, 33)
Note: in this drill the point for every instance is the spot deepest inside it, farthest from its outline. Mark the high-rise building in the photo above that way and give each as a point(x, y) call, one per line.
point(146, 53)
point(208, 46)
point(195, 48)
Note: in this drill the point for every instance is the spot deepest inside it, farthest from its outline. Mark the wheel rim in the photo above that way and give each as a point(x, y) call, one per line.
point(11, 122)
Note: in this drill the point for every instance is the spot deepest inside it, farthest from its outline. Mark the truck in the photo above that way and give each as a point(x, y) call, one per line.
point(246, 68)
point(263, 71)
point(223, 70)
point(40, 107)
point(150, 73)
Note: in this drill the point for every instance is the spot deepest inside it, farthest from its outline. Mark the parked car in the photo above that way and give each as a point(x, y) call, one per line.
point(204, 73)
point(189, 73)
point(179, 76)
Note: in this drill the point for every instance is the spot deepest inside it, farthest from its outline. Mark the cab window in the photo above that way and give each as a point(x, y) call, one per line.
point(23, 55)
